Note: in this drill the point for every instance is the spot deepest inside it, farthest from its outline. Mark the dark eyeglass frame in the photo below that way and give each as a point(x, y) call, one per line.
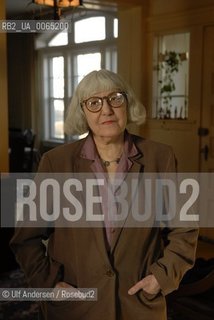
point(107, 98)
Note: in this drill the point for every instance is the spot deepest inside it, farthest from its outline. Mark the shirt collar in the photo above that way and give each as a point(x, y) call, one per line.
point(89, 150)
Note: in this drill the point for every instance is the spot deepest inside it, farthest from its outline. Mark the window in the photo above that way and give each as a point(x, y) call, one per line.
point(171, 76)
point(84, 63)
point(56, 97)
point(95, 29)
point(61, 39)
point(65, 58)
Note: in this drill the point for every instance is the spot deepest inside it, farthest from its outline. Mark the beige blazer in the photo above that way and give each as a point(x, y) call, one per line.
point(79, 256)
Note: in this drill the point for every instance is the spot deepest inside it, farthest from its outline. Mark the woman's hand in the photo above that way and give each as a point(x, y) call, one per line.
point(149, 284)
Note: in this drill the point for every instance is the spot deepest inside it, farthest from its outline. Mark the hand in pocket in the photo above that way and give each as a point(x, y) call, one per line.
point(149, 284)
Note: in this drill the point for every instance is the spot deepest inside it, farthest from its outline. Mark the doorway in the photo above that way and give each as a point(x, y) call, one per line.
point(207, 114)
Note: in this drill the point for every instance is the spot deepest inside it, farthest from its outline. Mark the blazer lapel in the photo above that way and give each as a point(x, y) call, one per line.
point(137, 167)
point(99, 237)
point(85, 166)
point(138, 163)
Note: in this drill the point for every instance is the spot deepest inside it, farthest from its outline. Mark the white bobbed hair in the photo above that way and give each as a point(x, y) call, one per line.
point(93, 83)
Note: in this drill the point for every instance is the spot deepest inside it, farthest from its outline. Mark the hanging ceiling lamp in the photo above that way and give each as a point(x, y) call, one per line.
point(58, 5)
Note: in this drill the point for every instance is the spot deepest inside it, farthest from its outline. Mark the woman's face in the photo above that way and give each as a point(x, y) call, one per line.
point(110, 121)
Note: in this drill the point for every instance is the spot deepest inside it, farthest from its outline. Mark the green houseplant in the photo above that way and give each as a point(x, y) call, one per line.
point(168, 66)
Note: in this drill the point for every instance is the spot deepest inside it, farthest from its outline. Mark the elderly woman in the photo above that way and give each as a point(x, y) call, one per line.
point(132, 268)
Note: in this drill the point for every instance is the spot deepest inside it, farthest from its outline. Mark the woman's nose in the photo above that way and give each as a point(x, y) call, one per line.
point(106, 108)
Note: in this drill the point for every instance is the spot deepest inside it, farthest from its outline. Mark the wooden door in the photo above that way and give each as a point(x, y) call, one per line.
point(207, 116)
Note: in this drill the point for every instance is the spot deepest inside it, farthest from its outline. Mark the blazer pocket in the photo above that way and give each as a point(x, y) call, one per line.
point(143, 294)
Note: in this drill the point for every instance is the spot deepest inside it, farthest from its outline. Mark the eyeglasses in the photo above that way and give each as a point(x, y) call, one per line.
point(114, 99)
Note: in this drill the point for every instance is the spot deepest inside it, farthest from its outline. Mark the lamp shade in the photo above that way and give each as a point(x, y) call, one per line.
point(59, 3)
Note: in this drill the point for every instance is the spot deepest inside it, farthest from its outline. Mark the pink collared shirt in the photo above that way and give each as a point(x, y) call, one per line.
point(109, 208)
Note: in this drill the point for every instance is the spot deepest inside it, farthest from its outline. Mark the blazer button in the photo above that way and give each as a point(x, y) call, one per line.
point(109, 273)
